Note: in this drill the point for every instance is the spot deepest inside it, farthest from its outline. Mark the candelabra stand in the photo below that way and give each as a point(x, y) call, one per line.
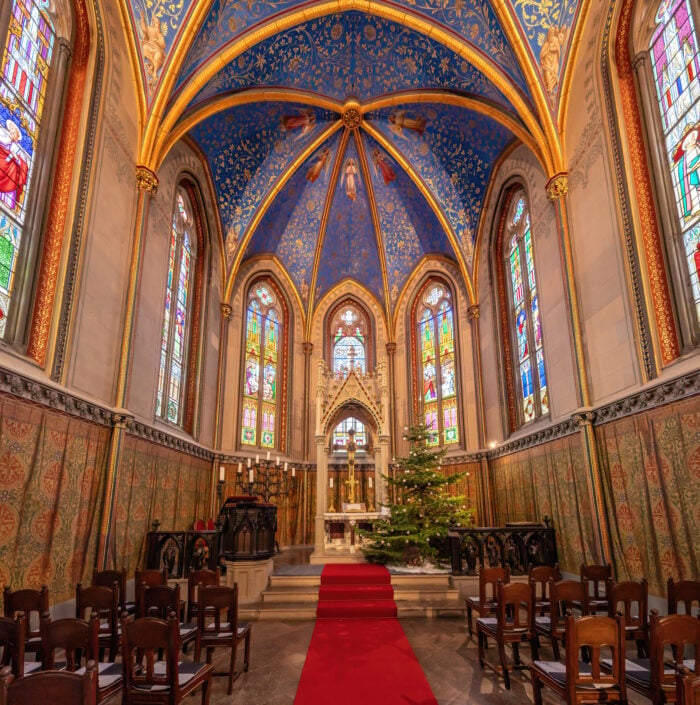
point(219, 496)
point(266, 479)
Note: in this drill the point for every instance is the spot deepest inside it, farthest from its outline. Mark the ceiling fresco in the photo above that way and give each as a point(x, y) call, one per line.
point(351, 54)
point(352, 139)
point(475, 22)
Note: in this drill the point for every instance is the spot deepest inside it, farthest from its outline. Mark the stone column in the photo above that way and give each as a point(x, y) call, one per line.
point(308, 348)
point(321, 497)
point(381, 465)
point(391, 429)
point(226, 312)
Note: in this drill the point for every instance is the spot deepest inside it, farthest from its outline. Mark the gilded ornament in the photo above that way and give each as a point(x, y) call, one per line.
point(226, 311)
point(352, 117)
point(557, 186)
point(473, 312)
point(146, 180)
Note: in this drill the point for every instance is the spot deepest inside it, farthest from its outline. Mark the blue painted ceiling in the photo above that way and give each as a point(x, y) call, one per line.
point(443, 87)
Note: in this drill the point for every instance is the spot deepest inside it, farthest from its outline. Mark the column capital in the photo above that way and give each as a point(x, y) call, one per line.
point(558, 186)
point(473, 312)
point(64, 47)
point(146, 180)
point(390, 349)
point(639, 60)
point(226, 311)
point(583, 418)
point(308, 347)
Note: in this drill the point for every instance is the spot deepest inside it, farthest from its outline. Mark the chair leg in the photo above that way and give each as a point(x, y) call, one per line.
point(469, 620)
point(480, 640)
point(504, 663)
point(536, 689)
point(231, 668)
point(516, 653)
point(535, 648)
point(206, 691)
point(246, 653)
point(555, 647)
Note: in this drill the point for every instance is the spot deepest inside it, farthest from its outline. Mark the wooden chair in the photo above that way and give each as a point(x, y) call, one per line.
point(54, 687)
point(107, 578)
point(218, 625)
point(104, 602)
point(162, 600)
point(596, 577)
point(147, 578)
point(565, 596)
point(685, 593)
point(195, 578)
point(540, 576)
point(513, 624)
point(579, 682)
point(32, 603)
point(167, 681)
point(669, 639)
point(78, 643)
point(12, 641)
point(485, 603)
point(687, 687)
point(630, 599)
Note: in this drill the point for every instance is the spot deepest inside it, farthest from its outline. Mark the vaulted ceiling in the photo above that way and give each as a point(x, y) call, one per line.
point(351, 138)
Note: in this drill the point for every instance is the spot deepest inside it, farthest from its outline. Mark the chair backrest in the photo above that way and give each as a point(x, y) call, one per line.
point(107, 578)
point(55, 687)
point(159, 601)
point(596, 575)
point(142, 640)
point(630, 598)
point(32, 603)
point(565, 595)
point(604, 638)
point(685, 593)
point(488, 582)
point(77, 639)
point(540, 575)
point(687, 687)
point(12, 636)
point(200, 577)
point(672, 639)
point(218, 604)
point(101, 600)
point(149, 578)
point(515, 610)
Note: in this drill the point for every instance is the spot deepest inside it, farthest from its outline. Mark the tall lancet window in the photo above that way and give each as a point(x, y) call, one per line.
point(435, 350)
point(264, 333)
point(675, 62)
point(349, 332)
point(23, 81)
point(178, 312)
point(525, 315)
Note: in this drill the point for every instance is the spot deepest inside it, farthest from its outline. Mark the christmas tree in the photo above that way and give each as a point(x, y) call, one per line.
point(416, 528)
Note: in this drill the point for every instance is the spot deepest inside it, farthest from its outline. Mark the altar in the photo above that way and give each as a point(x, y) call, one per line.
point(341, 529)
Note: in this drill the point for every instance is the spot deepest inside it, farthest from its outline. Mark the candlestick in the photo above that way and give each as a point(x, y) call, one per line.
point(330, 483)
point(285, 466)
point(257, 459)
point(277, 461)
point(248, 462)
point(222, 473)
point(251, 475)
point(240, 467)
point(294, 471)
point(369, 482)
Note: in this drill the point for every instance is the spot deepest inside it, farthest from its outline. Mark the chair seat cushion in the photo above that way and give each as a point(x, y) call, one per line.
point(187, 670)
point(491, 624)
point(543, 622)
point(107, 674)
point(557, 672)
point(31, 667)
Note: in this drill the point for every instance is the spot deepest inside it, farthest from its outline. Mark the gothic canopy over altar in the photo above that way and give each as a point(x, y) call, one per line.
point(351, 139)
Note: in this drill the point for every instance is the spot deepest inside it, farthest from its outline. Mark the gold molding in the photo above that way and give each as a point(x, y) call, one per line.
point(558, 186)
point(233, 100)
point(332, 185)
point(146, 180)
point(159, 126)
point(377, 229)
point(136, 76)
point(432, 201)
point(269, 198)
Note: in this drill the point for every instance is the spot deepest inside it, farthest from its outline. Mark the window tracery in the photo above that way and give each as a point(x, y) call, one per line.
point(349, 333)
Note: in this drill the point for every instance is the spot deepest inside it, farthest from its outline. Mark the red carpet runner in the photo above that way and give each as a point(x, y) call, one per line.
point(359, 654)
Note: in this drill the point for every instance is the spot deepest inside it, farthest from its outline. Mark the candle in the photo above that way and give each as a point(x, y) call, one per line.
point(294, 471)
point(330, 483)
point(268, 455)
point(251, 475)
point(285, 466)
point(240, 467)
point(257, 459)
point(277, 462)
point(222, 473)
point(369, 482)
point(248, 462)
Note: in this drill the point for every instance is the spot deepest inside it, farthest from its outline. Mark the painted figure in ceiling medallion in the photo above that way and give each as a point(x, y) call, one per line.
point(349, 178)
point(320, 165)
point(550, 57)
point(152, 46)
point(304, 119)
point(687, 163)
point(399, 122)
point(381, 164)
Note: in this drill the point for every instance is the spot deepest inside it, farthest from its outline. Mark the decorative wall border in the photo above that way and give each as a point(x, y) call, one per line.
point(545, 435)
point(88, 151)
point(152, 434)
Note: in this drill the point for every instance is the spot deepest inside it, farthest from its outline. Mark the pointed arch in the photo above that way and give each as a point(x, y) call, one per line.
point(349, 333)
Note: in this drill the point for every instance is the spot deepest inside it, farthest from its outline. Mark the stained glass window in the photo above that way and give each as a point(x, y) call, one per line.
point(263, 337)
point(527, 331)
point(349, 332)
point(341, 436)
point(436, 350)
point(25, 68)
point(675, 63)
point(177, 315)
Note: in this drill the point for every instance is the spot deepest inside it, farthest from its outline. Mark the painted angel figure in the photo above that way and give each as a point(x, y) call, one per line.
point(550, 57)
point(349, 178)
point(152, 45)
point(381, 164)
point(319, 166)
point(304, 119)
point(400, 122)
